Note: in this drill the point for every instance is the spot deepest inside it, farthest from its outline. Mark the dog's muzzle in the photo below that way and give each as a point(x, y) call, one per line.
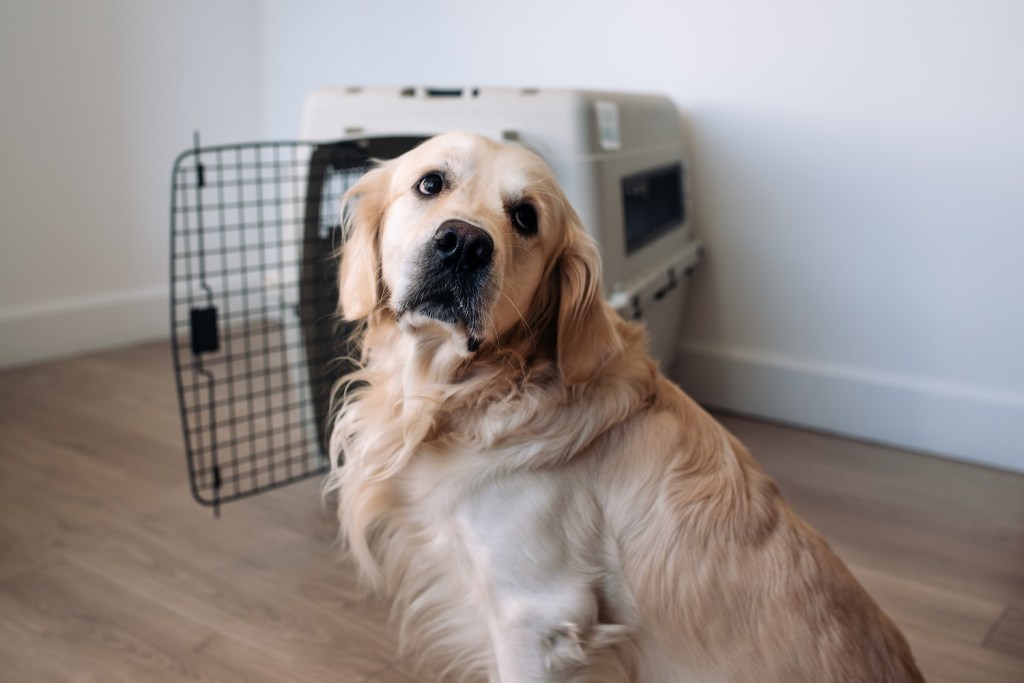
point(452, 274)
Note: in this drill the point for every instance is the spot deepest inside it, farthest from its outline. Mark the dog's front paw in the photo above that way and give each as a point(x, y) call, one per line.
point(564, 648)
point(567, 645)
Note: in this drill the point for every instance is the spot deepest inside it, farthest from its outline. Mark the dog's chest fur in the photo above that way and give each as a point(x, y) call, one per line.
point(473, 552)
point(488, 526)
point(509, 532)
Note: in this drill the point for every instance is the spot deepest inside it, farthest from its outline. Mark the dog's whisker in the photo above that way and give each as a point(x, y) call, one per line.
point(494, 329)
point(526, 324)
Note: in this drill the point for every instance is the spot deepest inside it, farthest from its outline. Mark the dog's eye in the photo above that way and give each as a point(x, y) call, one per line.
point(430, 184)
point(524, 216)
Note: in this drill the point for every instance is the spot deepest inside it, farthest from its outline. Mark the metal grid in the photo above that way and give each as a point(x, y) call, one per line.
point(256, 343)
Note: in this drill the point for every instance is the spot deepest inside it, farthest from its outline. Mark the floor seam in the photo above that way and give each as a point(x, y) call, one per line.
point(995, 626)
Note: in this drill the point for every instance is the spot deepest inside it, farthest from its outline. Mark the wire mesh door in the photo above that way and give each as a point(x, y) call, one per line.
point(255, 233)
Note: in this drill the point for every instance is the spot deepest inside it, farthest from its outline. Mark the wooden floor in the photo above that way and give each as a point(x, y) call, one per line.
point(109, 572)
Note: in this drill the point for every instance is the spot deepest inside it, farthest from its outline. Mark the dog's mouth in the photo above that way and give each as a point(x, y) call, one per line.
point(450, 301)
point(442, 305)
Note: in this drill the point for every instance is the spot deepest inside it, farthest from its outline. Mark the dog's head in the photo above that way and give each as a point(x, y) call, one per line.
point(475, 239)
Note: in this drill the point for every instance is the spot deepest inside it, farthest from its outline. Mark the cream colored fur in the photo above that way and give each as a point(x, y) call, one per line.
point(550, 508)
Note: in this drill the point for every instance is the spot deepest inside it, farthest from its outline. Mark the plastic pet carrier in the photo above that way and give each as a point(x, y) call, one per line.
point(255, 239)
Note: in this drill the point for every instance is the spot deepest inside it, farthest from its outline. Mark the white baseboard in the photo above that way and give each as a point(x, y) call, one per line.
point(964, 422)
point(53, 329)
point(954, 420)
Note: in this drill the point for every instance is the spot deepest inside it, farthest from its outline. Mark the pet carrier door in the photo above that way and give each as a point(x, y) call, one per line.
point(255, 232)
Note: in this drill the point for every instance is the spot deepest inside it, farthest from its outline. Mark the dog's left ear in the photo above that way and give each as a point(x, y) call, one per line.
point(362, 209)
point(587, 336)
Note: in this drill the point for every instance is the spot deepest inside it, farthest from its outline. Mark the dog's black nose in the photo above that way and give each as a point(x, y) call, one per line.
point(463, 247)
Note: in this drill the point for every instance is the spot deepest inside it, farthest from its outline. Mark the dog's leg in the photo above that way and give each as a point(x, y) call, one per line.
point(550, 637)
point(540, 559)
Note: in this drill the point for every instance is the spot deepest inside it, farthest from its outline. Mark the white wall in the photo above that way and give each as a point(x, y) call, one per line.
point(98, 99)
point(858, 175)
point(859, 171)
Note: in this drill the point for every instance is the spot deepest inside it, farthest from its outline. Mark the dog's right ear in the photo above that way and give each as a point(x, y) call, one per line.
point(362, 209)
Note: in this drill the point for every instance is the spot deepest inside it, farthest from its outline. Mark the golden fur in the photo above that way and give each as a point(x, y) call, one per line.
point(547, 506)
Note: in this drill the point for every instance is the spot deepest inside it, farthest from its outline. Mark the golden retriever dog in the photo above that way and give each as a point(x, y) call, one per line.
point(540, 503)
